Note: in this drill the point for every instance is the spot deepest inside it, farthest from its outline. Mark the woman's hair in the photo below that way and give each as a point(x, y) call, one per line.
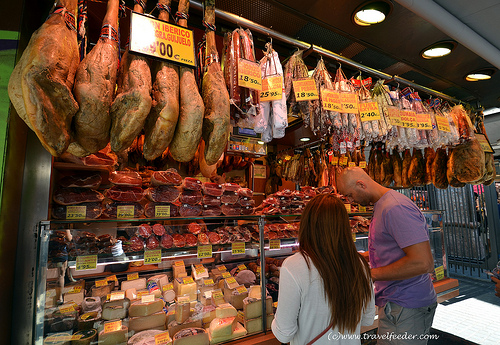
point(325, 238)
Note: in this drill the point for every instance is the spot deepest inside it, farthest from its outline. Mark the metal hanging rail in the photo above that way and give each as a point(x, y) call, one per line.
point(254, 27)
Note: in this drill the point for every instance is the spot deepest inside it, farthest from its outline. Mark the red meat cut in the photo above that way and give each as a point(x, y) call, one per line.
point(209, 200)
point(214, 189)
point(152, 243)
point(231, 210)
point(81, 180)
point(211, 211)
point(187, 210)
point(158, 229)
point(163, 193)
point(245, 192)
point(190, 197)
point(144, 230)
point(169, 177)
point(191, 184)
point(229, 197)
point(213, 237)
point(179, 241)
point(72, 196)
point(203, 238)
point(231, 187)
point(136, 244)
point(126, 178)
point(191, 240)
point(167, 241)
point(125, 194)
point(194, 228)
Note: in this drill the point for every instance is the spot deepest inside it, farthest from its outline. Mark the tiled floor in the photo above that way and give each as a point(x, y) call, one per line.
point(471, 318)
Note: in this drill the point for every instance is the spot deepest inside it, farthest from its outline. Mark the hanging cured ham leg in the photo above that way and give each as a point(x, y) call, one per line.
point(215, 96)
point(133, 97)
point(161, 121)
point(188, 131)
point(40, 85)
point(95, 88)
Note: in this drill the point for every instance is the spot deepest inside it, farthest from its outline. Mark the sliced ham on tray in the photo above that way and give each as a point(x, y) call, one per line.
point(191, 183)
point(82, 180)
point(214, 189)
point(72, 196)
point(126, 194)
point(211, 211)
point(126, 178)
point(187, 210)
point(190, 197)
point(163, 193)
point(169, 177)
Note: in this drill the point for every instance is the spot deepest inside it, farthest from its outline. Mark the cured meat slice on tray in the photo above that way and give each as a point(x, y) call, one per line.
point(100, 159)
point(167, 194)
point(191, 183)
point(191, 240)
point(213, 237)
point(72, 196)
point(123, 193)
point(186, 210)
point(144, 230)
point(110, 208)
point(231, 187)
point(150, 209)
point(158, 229)
point(229, 197)
point(179, 240)
point(127, 178)
point(210, 211)
point(209, 200)
point(213, 189)
point(166, 241)
point(245, 192)
point(190, 197)
point(169, 177)
point(231, 209)
point(152, 242)
point(82, 180)
point(93, 210)
point(203, 238)
point(136, 244)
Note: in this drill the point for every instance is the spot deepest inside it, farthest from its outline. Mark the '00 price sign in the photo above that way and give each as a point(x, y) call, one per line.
point(159, 39)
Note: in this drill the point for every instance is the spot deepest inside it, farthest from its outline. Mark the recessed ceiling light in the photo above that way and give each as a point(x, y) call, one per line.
point(482, 74)
point(305, 139)
point(371, 12)
point(438, 49)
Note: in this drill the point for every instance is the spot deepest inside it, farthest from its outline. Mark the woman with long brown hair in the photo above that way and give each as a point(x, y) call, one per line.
point(325, 289)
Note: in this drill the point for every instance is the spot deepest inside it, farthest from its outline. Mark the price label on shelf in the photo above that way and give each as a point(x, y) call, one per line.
point(102, 282)
point(442, 123)
point(362, 208)
point(305, 90)
point(362, 164)
point(335, 160)
point(162, 211)
point(330, 100)
point(169, 286)
point(217, 295)
point(275, 244)
point(348, 207)
point(205, 251)
point(352, 164)
point(117, 295)
point(112, 278)
point(226, 275)
point(349, 102)
point(241, 289)
point(112, 326)
point(221, 268)
point(343, 161)
point(147, 298)
point(152, 256)
point(272, 89)
point(86, 262)
point(408, 119)
point(187, 280)
point(249, 75)
point(230, 280)
point(133, 276)
point(125, 211)
point(439, 272)
point(369, 111)
point(484, 143)
point(394, 115)
point(242, 267)
point(238, 248)
point(179, 263)
point(208, 282)
point(66, 308)
point(423, 121)
point(162, 338)
point(74, 289)
point(76, 212)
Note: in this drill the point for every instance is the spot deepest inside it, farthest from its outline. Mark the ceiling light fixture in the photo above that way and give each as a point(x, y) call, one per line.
point(371, 12)
point(438, 49)
point(482, 74)
point(305, 139)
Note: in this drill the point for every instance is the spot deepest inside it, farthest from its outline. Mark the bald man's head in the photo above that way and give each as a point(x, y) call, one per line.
point(355, 184)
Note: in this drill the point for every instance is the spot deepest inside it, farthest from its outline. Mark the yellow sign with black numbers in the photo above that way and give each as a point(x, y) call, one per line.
point(86, 262)
point(238, 248)
point(439, 272)
point(125, 211)
point(76, 212)
point(162, 338)
point(330, 100)
point(152, 256)
point(394, 115)
point(305, 90)
point(349, 102)
point(424, 121)
point(369, 111)
point(275, 244)
point(442, 123)
point(249, 74)
point(205, 251)
point(408, 119)
point(112, 326)
point(162, 211)
point(272, 89)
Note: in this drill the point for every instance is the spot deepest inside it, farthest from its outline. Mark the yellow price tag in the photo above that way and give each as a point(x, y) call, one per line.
point(439, 272)
point(199, 270)
point(133, 276)
point(394, 115)
point(86, 262)
point(442, 123)
point(275, 244)
point(162, 338)
point(226, 275)
point(238, 248)
point(147, 298)
point(112, 326)
point(305, 90)
point(249, 74)
point(354, 237)
point(208, 282)
point(272, 89)
point(152, 256)
point(343, 161)
point(485, 145)
point(335, 161)
point(75, 289)
point(348, 207)
point(221, 268)
point(102, 282)
point(362, 164)
point(179, 263)
point(362, 208)
point(187, 280)
point(76, 212)
point(76, 336)
point(111, 278)
point(258, 269)
point(408, 119)
point(197, 266)
point(352, 164)
point(162, 211)
point(330, 100)
point(369, 111)
point(205, 251)
point(230, 280)
point(66, 309)
point(117, 295)
point(169, 286)
point(349, 102)
point(125, 211)
point(142, 293)
point(242, 267)
point(424, 121)
point(241, 289)
point(275, 304)
point(217, 294)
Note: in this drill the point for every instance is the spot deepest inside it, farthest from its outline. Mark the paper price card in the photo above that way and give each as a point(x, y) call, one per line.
point(179, 263)
point(305, 90)
point(162, 211)
point(230, 280)
point(169, 286)
point(352, 164)
point(199, 270)
point(330, 100)
point(362, 208)
point(162, 40)
point(221, 268)
point(362, 164)
point(199, 266)
point(66, 309)
point(152, 256)
point(208, 282)
point(86, 262)
point(484, 143)
point(439, 272)
point(112, 326)
point(75, 289)
point(217, 294)
point(335, 160)
point(162, 338)
point(369, 111)
point(102, 282)
point(272, 89)
point(394, 115)
point(238, 248)
point(112, 278)
point(125, 211)
point(442, 123)
point(249, 74)
point(117, 295)
point(408, 119)
point(349, 102)
point(187, 280)
point(226, 275)
point(348, 207)
point(242, 267)
point(241, 289)
point(423, 121)
point(133, 276)
point(205, 251)
point(354, 237)
point(142, 293)
point(343, 161)
point(76, 212)
point(147, 298)
point(275, 244)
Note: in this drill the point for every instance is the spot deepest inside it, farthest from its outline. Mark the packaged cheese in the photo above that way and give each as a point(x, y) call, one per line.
point(191, 336)
point(139, 308)
point(154, 321)
point(119, 337)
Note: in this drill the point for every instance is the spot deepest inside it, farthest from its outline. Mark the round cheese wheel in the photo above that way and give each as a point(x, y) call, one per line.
point(88, 337)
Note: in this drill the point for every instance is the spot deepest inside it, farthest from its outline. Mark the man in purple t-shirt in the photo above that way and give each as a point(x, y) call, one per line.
point(400, 257)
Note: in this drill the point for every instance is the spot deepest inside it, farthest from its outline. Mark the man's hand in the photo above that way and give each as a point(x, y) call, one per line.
point(497, 286)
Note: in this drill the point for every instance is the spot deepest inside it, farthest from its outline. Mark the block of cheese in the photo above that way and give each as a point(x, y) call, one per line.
point(115, 309)
point(252, 308)
point(191, 336)
point(177, 269)
point(160, 279)
point(174, 326)
point(255, 291)
point(208, 314)
point(87, 320)
point(199, 273)
point(74, 297)
point(254, 325)
point(88, 337)
point(138, 308)
point(91, 304)
point(57, 339)
point(102, 291)
point(206, 297)
point(182, 311)
point(190, 289)
point(131, 294)
point(236, 297)
point(50, 298)
point(238, 332)
point(137, 284)
point(154, 321)
point(147, 338)
point(170, 316)
point(119, 337)
point(221, 327)
point(225, 310)
point(169, 296)
point(230, 283)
